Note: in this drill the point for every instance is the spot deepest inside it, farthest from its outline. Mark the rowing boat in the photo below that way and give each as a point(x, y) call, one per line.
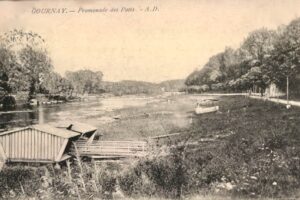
point(202, 110)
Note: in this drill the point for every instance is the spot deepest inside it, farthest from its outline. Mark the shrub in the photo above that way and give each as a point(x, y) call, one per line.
point(18, 178)
point(8, 102)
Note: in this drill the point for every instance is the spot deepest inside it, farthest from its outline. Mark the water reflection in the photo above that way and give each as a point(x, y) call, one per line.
point(13, 118)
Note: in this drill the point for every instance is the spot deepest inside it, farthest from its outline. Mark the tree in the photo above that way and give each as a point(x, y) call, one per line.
point(258, 44)
point(10, 73)
point(15, 40)
point(286, 55)
point(31, 57)
point(233, 68)
point(85, 81)
point(36, 65)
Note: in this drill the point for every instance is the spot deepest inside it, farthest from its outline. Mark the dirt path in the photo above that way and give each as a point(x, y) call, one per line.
point(257, 96)
point(276, 100)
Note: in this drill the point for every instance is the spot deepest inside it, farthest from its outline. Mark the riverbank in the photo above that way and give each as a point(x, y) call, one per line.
point(256, 153)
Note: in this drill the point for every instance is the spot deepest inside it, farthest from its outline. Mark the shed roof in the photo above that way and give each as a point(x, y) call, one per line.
point(78, 127)
point(47, 129)
point(55, 131)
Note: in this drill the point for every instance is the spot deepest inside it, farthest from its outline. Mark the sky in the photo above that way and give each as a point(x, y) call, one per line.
point(168, 43)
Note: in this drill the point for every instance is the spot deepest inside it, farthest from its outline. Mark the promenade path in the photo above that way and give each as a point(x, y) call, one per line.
point(276, 100)
point(256, 96)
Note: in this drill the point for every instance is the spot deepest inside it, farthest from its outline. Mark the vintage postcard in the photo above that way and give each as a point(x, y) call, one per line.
point(149, 99)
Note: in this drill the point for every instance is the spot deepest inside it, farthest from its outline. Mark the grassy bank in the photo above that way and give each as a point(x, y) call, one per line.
point(254, 152)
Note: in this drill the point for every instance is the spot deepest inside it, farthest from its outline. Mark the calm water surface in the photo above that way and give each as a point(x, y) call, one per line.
point(93, 112)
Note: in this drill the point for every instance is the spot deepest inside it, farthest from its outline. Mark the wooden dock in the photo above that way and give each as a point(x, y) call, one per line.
point(99, 149)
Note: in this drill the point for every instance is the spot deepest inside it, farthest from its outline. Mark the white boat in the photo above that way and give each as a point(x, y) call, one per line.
point(33, 102)
point(202, 110)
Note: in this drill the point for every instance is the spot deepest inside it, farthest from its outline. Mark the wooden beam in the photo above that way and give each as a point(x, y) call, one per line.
point(64, 157)
point(62, 150)
point(31, 160)
point(90, 140)
point(164, 136)
point(2, 153)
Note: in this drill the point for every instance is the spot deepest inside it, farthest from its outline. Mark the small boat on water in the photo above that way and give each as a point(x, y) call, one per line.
point(202, 110)
point(33, 102)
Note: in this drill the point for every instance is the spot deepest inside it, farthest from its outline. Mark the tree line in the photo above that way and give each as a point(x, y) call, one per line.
point(264, 57)
point(26, 67)
point(128, 87)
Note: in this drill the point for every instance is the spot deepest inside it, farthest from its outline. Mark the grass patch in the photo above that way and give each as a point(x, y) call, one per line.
point(259, 158)
point(167, 114)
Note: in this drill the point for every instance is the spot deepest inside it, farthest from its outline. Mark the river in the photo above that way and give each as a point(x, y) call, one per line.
point(93, 111)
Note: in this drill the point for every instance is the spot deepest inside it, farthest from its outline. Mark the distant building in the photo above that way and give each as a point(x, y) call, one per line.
point(273, 91)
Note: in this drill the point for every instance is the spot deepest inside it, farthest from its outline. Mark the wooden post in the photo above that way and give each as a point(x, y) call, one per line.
point(69, 170)
point(287, 90)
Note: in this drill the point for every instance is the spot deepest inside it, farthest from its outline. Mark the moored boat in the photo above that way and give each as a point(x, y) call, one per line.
point(202, 110)
point(33, 102)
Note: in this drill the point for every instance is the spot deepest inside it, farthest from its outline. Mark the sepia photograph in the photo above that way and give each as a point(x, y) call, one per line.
point(149, 99)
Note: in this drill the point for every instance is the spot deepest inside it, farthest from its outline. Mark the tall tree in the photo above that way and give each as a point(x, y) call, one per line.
point(31, 56)
point(258, 44)
point(286, 55)
point(36, 65)
point(11, 77)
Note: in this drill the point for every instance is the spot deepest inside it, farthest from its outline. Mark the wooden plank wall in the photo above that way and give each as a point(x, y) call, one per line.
point(31, 145)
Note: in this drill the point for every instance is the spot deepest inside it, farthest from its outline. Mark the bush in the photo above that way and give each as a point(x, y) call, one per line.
point(108, 182)
point(8, 102)
point(15, 179)
point(159, 176)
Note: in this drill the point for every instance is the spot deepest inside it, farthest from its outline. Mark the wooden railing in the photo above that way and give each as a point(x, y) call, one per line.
point(111, 148)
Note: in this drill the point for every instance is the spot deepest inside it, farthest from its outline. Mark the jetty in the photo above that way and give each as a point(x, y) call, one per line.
point(111, 149)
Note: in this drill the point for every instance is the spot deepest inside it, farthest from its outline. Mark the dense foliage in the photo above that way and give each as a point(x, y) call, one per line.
point(85, 81)
point(26, 67)
point(264, 57)
point(173, 85)
point(23, 62)
point(130, 87)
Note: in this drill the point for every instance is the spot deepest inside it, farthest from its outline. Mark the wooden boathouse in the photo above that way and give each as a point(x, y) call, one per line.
point(48, 144)
point(38, 143)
